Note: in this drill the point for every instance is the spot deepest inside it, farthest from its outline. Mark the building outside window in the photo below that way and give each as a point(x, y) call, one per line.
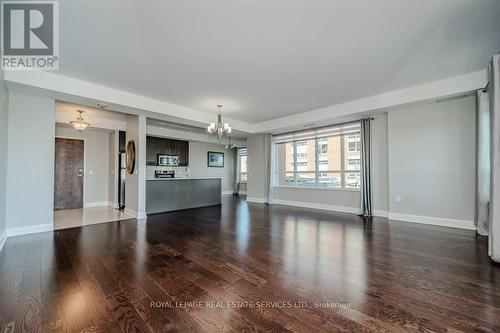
point(328, 158)
point(354, 143)
point(322, 146)
point(242, 156)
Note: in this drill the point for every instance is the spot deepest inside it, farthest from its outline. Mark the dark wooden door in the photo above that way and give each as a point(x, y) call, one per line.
point(69, 173)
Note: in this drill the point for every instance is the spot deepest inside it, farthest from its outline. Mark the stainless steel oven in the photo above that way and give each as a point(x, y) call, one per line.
point(167, 160)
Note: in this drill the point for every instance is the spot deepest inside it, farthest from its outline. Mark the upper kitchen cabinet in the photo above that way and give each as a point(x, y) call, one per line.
point(182, 149)
point(155, 146)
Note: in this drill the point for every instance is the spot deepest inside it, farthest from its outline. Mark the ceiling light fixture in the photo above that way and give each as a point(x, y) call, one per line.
point(229, 144)
point(79, 124)
point(219, 129)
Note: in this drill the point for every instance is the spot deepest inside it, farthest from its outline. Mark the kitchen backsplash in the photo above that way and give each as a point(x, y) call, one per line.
point(180, 172)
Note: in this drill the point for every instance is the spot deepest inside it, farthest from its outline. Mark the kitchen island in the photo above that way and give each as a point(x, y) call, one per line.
point(169, 194)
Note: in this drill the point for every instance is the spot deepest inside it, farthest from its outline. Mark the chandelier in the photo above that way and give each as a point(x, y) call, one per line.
point(79, 124)
point(219, 129)
point(229, 144)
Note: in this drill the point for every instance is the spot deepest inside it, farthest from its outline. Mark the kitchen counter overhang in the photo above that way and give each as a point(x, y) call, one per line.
point(169, 194)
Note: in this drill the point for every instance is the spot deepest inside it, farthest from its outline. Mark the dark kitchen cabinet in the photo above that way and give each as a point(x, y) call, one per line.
point(155, 146)
point(182, 149)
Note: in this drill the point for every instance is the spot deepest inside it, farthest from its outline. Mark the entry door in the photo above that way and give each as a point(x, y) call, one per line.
point(68, 182)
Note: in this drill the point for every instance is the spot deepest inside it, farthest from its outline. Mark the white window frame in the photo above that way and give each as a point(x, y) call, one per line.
point(345, 172)
point(240, 155)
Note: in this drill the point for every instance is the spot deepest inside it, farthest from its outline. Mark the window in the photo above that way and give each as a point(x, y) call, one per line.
point(322, 158)
point(322, 146)
point(323, 166)
point(354, 143)
point(242, 156)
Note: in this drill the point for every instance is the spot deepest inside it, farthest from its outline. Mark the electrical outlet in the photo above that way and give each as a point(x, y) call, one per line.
point(398, 197)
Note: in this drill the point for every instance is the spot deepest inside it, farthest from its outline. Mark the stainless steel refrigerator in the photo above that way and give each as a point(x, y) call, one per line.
point(121, 181)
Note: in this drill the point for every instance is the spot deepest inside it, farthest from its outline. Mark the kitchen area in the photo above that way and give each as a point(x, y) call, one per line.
point(184, 174)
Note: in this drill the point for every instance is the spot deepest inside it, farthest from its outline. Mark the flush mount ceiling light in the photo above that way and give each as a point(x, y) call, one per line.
point(219, 129)
point(79, 124)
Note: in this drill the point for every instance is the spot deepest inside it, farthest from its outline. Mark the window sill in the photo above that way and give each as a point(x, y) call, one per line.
point(318, 188)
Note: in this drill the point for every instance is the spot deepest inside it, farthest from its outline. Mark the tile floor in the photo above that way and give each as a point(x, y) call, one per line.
point(71, 218)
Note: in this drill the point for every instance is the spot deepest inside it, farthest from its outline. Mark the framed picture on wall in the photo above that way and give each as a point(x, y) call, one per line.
point(215, 159)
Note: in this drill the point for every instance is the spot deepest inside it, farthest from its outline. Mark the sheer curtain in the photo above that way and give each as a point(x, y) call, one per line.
point(271, 169)
point(494, 91)
point(366, 168)
point(236, 188)
point(482, 162)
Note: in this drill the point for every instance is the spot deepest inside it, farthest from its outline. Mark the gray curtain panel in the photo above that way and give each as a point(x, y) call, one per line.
point(494, 91)
point(482, 162)
point(366, 168)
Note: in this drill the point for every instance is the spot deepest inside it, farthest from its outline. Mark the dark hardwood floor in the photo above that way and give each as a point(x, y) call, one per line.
point(249, 267)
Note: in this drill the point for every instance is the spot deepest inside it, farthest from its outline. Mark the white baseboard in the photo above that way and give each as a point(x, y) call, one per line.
point(380, 213)
point(32, 229)
point(256, 200)
point(113, 205)
point(439, 221)
point(3, 239)
point(136, 215)
point(130, 212)
point(342, 209)
point(96, 204)
point(227, 192)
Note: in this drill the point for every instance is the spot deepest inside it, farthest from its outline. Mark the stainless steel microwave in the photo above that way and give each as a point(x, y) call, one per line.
point(167, 160)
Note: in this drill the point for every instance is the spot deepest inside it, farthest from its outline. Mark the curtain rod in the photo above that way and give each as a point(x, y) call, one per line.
point(321, 127)
point(485, 89)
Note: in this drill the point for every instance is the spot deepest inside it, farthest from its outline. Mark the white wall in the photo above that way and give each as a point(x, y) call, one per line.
point(30, 164)
point(198, 163)
point(135, 184)
point(96, 162)
point(432, 161)
point(257, 164)
point(337, 200)
point(4, 109)
point(348, 200)
point(380, 172)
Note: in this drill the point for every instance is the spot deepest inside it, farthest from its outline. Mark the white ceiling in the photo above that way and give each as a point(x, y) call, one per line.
point(267, 59)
